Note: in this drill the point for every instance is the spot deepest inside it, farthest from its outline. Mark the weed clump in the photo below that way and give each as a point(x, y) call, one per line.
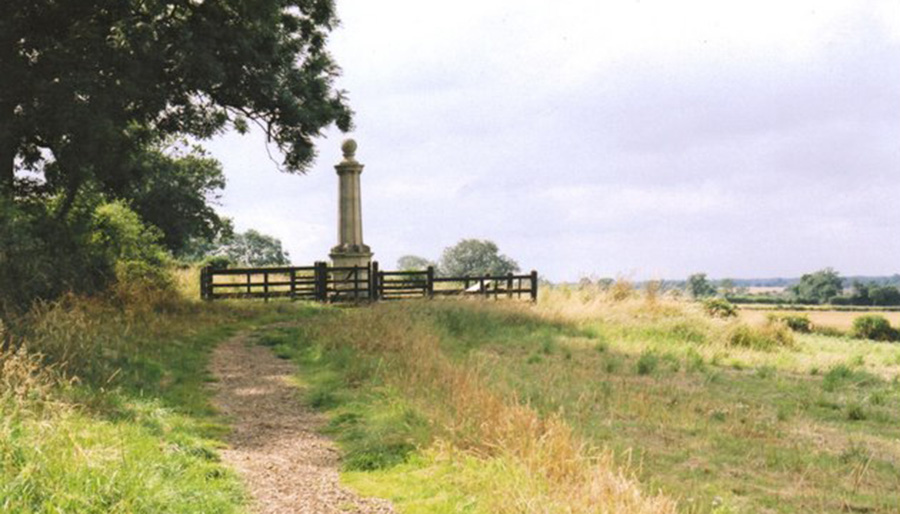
point(855, 412)
point(842, 374)
point(647, 363)
point(621, 290)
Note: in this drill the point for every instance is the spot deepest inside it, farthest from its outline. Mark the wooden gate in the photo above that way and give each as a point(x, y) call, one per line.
point(323, 283)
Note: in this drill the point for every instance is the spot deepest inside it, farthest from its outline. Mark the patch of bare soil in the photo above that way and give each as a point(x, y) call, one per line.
point(275, 446)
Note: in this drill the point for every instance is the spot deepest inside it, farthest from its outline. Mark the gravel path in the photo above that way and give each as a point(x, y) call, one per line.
point(287, 466)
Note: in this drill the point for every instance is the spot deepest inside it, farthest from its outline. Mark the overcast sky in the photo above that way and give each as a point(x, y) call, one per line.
point(649, 139)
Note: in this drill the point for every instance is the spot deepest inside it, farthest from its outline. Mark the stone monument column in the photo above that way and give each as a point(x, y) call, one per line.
point(350, 250)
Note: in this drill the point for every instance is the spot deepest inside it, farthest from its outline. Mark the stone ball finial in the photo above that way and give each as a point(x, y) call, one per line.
point(349, 148)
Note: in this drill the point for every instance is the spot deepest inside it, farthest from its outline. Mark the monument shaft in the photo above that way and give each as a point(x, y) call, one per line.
point(350, 250)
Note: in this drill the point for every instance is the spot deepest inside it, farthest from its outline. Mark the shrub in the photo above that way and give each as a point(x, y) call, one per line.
point(795, 322)
point(217, 262)
point(874, 327)
point(768, 337)
point(719, 308)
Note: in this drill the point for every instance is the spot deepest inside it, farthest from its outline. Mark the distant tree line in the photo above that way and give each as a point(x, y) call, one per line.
point(825, 286)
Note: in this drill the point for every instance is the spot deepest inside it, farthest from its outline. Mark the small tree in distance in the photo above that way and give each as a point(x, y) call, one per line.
point(699, 286)
point(475, 257)
point(252, 248)
point(413, 263)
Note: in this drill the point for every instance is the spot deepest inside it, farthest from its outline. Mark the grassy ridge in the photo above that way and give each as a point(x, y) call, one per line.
point(119, 421)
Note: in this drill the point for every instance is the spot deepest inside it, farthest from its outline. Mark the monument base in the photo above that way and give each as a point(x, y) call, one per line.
point(352, 285)
point(346, 260)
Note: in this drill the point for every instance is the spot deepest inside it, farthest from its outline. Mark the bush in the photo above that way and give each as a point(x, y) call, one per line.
point(719, 308)
point(133, 248)
point(217, 262)
point(874, 327)
point(797, 323)
point(770, 336)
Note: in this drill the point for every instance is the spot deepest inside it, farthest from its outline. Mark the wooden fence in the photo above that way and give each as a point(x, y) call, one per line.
point(324, 283)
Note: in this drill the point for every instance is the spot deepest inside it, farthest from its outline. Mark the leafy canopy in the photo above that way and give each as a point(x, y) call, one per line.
point(86, 84)
point(699, 286)
point(818, 287)
point(475, 257)
point(413, 263)
point(252, 248)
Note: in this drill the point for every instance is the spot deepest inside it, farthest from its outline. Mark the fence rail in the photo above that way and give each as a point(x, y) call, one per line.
point(324, 283)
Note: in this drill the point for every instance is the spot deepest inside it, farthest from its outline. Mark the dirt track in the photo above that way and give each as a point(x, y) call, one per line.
point(286, 465)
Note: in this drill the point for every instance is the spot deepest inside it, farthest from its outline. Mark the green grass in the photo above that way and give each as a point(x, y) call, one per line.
point(382, 433)
point(709, 432)
point(136, 433)
point(718, 426)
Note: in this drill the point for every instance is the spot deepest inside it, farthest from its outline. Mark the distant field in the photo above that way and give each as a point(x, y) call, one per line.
point(842, 320)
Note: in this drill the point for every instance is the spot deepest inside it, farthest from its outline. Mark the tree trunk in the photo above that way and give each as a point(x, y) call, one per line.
point(7, 157)
point(7, 116)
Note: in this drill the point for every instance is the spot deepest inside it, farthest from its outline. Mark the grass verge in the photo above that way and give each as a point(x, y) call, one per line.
point(103, 408)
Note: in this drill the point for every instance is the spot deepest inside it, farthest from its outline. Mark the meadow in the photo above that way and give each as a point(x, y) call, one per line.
point(584, 400)
point(589, 401)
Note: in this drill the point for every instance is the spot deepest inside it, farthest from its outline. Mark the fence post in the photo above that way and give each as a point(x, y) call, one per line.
point(321, 279)
point(373, 281)
point(483, 288)
point(266, 286)
point(293, 292)
point(205, 283)
point(509, 285)
point(534, 286)
point(429, 282)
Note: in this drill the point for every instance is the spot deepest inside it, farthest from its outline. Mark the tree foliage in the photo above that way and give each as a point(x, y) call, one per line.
point(93, 91)
point(818, 287)
point(475, 257)
point(413, 263)
point(97, 242)
point(699, 286)
point(252, 248)
point(874, 294)
point(174, 193)
point(87, 84)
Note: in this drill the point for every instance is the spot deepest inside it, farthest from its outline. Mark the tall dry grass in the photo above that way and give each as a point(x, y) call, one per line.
point(563, 474)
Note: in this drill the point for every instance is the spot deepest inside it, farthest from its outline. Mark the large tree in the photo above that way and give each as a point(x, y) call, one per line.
point(175, 190)
point(475, 257)
point(86, 84)
point(818, 287)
